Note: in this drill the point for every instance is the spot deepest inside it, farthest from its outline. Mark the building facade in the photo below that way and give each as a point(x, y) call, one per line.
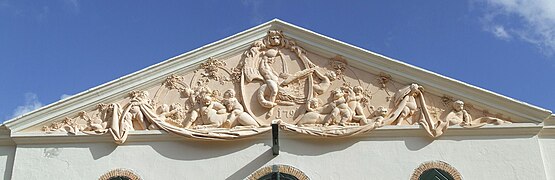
point(280, 100)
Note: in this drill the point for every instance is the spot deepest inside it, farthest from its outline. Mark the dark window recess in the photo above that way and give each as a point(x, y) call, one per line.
point(278, 176)
point(120, 178)
point(435, 174)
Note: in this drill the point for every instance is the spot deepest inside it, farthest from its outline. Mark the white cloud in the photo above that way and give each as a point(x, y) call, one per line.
point(31, 103)
point(63, 96)
point(500, 32)
point(530, 21)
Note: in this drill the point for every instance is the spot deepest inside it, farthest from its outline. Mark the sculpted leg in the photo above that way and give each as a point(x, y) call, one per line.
point(273, 87)
point(244, 119)
point(262, 100)
point(193, 115)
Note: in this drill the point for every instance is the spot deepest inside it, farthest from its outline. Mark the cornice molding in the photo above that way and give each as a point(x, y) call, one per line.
point(509, 130)
point(312, 41)
point(118, 88)
point(405, 72)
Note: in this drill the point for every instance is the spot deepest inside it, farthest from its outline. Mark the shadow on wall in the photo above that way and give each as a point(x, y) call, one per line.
point(209, 149)
point(100, 150)
point(169, 149)
point(320, 145)
point(9, 153)
point(316, 145)
point(300, 146)
point(252, 166)
point(417, 143)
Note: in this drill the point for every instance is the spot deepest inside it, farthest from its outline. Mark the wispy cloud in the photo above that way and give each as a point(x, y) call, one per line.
point(72, 5)
point(31, 103)
point(254, 6)
point(6, 7)
point(43, 13)
point(63, 96)
point(499, 32)
point(39, 12)
point(530, 21)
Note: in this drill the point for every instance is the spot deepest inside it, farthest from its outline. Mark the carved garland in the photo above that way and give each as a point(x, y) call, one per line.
point(437, 165)
point(258, 91)
point(278, 168)
point(120, 172)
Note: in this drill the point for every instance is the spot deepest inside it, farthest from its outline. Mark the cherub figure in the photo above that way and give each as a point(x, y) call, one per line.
point(237, 115)
point(410, 106)
point(341, 112)
point(320, 87)
point(97, 125)
point(325, 81)
point(354, 97)
point(405, 103)
point(314, 115)
point(174, 113)
point(233, 107)
point(459, 116)
point(378, 117)
point(212, 114)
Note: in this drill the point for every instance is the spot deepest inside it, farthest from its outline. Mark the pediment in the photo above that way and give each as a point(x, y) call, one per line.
point(277, 73)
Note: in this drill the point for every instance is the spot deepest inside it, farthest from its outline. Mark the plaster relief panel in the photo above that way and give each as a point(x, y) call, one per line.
point(276, 81)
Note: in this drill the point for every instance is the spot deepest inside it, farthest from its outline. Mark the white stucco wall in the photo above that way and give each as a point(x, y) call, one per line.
point(475, 157)
point(7, 154)
point(547, 144)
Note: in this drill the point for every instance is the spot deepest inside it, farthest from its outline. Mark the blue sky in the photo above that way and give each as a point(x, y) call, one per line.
point(52, 49)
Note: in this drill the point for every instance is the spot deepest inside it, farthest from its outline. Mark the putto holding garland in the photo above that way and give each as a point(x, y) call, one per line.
point(275, 80)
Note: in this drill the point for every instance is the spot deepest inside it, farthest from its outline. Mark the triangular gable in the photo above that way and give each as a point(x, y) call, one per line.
point(402, 93)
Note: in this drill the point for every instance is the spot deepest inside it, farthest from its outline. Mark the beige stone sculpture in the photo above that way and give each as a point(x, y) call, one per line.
point(459, 116)
point(237, 116)
point(173, 114)
point(324, 81)
point(314, 115)
point(258, 63)
point(95, 125)
point(207, 117)
point(341, 112)
point(410, 107)
point(71, 125)
point(274, 80)
point(378, 117)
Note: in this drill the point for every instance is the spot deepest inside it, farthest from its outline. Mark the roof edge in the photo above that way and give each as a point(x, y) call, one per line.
point(126, 83)
point(437, 81)
point(98, 94)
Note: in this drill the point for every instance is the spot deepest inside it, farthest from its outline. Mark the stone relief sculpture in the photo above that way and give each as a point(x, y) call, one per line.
point(459, 116)
point(276, 88)
point(378, 117)
point(410, 106)
point(275, 80)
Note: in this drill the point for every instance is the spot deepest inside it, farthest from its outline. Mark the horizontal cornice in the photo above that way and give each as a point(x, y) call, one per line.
point(500, 131)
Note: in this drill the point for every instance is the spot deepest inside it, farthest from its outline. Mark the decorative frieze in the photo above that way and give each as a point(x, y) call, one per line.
point(276, 80)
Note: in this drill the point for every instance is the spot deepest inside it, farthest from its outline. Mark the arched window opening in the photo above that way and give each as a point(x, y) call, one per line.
point(435, 170)
point(120, 174)
point(281, 172)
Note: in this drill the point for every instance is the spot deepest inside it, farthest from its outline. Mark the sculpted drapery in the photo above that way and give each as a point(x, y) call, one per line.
point(275, 80)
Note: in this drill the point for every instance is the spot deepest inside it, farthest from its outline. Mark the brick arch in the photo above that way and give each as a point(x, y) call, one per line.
point(278, 168)
point(437, 165)
point(120, 172)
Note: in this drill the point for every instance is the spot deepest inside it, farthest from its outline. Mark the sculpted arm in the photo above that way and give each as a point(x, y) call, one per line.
point(219, 107)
